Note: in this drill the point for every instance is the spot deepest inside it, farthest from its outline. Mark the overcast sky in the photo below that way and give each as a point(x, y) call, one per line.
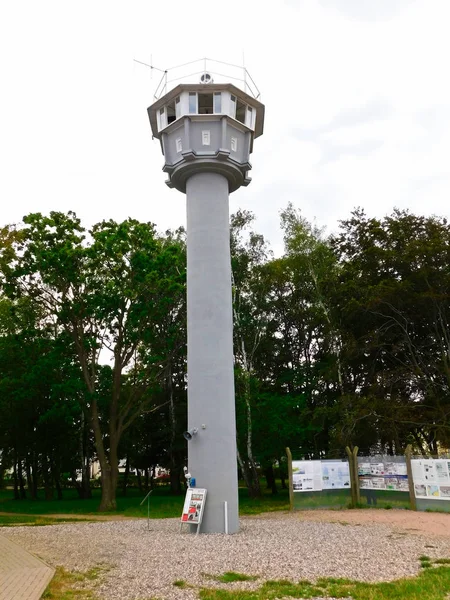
point(357, 99)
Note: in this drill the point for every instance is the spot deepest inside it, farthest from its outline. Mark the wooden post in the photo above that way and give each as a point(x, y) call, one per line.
point(291, 481)
point(355, 466)
point(412, 495)
point(353, 483)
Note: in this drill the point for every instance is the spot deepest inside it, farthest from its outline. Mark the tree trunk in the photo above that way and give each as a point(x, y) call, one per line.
point(16, 482)
point(253, 487)
point(250, 464)
point(29, 477)
point(76, 484)
point(108, 501)
point(56, 476)
point(139, 480)
point(85, 459)
point(175, 471)
point(109, 468)
point(35, 477)
point(48, 483)
point(23, 493)
point(125, 476)
point(175, 484)
point(270, 478)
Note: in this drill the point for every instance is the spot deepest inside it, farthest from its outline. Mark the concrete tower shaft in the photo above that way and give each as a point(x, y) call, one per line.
point(206, 134)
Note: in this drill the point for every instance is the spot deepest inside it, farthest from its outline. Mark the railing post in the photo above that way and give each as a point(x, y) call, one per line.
point(355, 466)
point(412, 495)
point(291, 482)
point(353, 482)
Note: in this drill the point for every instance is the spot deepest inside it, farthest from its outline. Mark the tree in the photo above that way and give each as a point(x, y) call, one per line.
point(247, 255)
point(107, 288)
point(394, 302)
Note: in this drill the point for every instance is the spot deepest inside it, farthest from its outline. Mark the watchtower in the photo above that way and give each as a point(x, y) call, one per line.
point(206, 131)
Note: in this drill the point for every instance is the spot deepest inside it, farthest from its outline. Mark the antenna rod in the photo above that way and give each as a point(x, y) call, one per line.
point(149, 66)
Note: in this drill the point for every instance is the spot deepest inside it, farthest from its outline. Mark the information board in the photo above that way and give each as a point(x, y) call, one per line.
point(431, 478)
point(383, 476)
point(317, 475)
point(193, 508)
point(335, 475)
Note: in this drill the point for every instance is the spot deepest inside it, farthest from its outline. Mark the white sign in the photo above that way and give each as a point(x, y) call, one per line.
point(194, 505)
point(316, 475)
point(431, 478)
point(383, 476)
point(335, 475)
point(306, 475)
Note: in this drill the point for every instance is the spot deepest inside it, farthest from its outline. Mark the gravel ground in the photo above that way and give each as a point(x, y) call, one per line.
point(144, 564)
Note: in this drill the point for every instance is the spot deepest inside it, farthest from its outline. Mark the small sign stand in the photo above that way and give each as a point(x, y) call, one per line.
point(147, 497)
point(194, 505)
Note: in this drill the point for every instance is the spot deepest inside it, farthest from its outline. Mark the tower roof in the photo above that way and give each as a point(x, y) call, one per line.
point(205, 88)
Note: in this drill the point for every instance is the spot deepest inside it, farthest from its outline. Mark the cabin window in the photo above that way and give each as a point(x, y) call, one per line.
point(192, 103)
point(161, 118)
point(217, 102)
point(177, 107)
point(171, 112)
point(205, 104)
point(232, 106)
point(240, 111)
point(249, 121)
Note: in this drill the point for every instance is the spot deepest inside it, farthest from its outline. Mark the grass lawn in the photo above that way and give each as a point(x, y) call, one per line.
point(162, 504)
point(16, 520)
point(432, 583)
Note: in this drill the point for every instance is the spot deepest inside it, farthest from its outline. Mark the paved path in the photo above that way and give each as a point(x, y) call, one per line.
point(22, 575)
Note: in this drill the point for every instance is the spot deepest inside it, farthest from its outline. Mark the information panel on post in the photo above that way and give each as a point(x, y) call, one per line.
point(194, 505)
point(318, 475)
point(431, 478)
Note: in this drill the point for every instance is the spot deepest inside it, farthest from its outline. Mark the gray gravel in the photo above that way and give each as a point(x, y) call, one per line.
point(144, 564)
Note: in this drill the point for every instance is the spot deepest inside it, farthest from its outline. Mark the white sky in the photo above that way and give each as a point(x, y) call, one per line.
point(357, 97)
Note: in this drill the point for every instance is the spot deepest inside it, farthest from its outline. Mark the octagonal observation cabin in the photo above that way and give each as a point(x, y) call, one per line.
point(205, 127)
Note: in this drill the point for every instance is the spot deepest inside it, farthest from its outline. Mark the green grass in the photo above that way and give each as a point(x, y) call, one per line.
point(231, 576)
point(162, 504)
point(18, 520)
point(74, 585)
point(430, 584)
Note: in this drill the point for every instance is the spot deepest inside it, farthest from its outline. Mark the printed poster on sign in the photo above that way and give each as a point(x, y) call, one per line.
point(429, 470)
point(306, 475)
point(378, 483)
point(445, 492)
point(431, 478)
point(391, 483)
point(335, 475)
point(442, 473)
point(364, 469)
point(433, 491)
point(420, 490)
point(383, 476)
point(394, 468)
point(377, 469)
point(194, 505)
point(403, 485)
